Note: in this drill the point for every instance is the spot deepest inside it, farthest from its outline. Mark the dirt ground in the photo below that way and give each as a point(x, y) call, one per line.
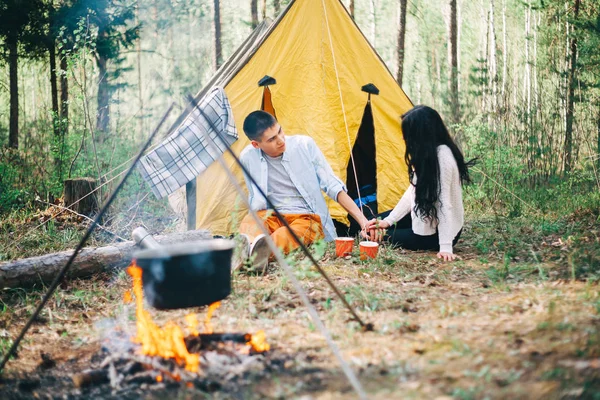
point(464, 330)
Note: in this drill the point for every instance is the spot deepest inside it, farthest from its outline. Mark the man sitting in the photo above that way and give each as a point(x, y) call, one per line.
point(292, 172)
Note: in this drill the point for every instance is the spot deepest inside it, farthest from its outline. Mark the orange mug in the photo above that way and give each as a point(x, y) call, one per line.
point(343, 246)
point(368, 249)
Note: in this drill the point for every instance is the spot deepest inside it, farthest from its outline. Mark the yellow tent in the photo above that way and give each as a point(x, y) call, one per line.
point(320, 60)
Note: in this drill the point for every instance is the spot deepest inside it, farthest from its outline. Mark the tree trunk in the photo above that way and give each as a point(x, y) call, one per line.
point(254, 12)
point(493, 70)
point(504, 55)
point(80, 195)
point(30, 271)
point(536, 93)
point(64, 96)
point(527, 77)
point(401, 35)
point(458, 36)
point(103, 100)
point(438, 73)
point(351, 8)
point(570, 98)
point(138, 50)
point(486, 65)
point(598, 139)
point(374, 23)
point(217, 24)
point(13, 64)
point(454, 64)
point(56, 125)
point(264, 10)
point(54, 90)
point(277, 7)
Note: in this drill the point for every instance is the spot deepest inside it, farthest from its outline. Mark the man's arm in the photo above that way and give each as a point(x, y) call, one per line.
point(334, 187)
point(350, 206)
point(244, 160)
point(329, 183)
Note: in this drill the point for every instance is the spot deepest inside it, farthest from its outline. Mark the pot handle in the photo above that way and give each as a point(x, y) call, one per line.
point(144, 239)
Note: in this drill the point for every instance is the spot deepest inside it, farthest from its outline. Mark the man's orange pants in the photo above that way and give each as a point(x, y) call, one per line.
point(307, 227)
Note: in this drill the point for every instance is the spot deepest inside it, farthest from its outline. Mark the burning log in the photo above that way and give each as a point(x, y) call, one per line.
point(204, 341)
point(29, 271)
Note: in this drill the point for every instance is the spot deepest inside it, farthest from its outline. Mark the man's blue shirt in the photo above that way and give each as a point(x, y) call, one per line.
point(309, 171)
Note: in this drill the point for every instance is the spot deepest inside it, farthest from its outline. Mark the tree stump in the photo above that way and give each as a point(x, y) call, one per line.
point(78, 198)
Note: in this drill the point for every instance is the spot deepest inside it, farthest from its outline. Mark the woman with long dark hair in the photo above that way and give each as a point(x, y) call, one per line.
point(430, 214)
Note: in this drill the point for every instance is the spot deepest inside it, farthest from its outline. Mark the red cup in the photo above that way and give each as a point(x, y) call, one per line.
point(343, 246)
point(368, 249)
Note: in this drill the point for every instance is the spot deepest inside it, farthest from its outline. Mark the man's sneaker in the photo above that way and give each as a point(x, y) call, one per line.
point(260, 253)
point(241, 251)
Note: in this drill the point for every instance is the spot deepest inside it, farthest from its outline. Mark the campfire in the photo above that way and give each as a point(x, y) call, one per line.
point(174, 354)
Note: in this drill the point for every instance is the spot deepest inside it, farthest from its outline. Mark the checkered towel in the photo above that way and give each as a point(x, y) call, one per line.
point(186, 154)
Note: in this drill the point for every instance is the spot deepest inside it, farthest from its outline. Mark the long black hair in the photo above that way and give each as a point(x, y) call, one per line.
point(424, 131)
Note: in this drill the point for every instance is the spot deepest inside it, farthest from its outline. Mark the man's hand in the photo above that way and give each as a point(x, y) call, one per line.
point(349, 205)
point(447, 256)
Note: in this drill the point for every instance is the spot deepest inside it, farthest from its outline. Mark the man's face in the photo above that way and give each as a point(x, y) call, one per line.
point(272, 141)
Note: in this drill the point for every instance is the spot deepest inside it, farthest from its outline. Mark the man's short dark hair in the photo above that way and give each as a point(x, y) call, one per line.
point(256, 123)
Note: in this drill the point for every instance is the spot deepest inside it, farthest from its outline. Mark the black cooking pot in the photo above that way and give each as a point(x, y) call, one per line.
point(185, 275)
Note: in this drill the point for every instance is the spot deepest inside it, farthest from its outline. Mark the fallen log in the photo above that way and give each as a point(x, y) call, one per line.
point(29, 271)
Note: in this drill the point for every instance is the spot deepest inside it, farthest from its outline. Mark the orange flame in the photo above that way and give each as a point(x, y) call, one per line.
point(211, 309)
point(192, 322)
point(127, 297)
point(258, 342)
point(159, 378)
point(167, 342)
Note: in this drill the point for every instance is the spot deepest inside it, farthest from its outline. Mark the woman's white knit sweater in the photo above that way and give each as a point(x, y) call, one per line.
point(449, 206)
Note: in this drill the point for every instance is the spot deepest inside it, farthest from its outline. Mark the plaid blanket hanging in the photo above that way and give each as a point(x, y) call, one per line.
point(185, 154)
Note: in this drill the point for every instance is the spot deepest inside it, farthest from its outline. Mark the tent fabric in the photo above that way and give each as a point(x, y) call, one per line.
point(185, 154)
point(297, 51)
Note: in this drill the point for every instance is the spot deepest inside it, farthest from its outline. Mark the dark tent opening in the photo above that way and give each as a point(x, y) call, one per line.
point(365, 163)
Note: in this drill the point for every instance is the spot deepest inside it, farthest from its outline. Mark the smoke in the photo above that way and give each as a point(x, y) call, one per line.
point(115, 333)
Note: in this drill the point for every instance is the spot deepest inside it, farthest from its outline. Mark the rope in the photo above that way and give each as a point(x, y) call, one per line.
point(337, 77)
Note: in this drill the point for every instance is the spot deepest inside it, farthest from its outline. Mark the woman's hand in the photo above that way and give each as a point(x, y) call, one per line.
point(375, 229)
point(447, 256)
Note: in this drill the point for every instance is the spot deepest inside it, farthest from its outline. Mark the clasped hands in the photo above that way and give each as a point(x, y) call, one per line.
point(374, 229)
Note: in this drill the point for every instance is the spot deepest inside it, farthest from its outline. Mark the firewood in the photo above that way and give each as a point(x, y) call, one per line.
point(90, 377)
point(201, 342)
point(29, 271)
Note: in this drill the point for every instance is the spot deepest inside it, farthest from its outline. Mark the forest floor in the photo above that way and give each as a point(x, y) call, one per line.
point(518, 316)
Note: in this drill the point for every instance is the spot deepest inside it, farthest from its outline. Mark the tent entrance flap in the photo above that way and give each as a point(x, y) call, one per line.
point(365, 163)
point(267, 102)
